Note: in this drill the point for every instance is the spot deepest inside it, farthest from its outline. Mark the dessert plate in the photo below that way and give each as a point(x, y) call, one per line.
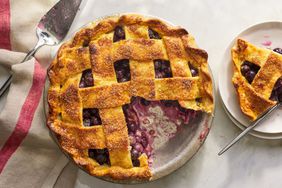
point(270, 136)
point(267, 35)
point(168, 157)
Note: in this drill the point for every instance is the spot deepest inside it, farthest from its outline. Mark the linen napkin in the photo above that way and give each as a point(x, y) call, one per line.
point(28, 156)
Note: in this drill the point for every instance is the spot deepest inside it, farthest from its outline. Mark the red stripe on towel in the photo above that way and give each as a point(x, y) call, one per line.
point(5, 24)
point(26, 116)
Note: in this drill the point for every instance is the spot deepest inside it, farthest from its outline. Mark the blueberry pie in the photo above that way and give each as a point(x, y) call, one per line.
point(257, 77)
point(112, 81)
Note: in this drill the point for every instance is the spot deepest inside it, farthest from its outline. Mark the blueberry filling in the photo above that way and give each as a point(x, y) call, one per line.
point(119, 34)
point(85, 43)
point(100, 155)
point(141, 137)
point(162, 69)
point(134, 157)
point(153, 34)
point(91, 117)
point(278, 50)
point(249, 70)
point(143, 132)
point(145, 102)
point(169, 103)
point(276, 94)
point(194, 71)
point(198, 100)
point(122, 70)
point(86, 79)
point(137, 135)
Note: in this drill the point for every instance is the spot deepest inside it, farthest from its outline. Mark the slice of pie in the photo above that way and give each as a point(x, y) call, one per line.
point(121, 88)
point(257, 77)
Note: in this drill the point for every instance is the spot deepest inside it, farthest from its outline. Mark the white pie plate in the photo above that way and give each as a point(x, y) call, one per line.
point(172, 155)
point(260, 35)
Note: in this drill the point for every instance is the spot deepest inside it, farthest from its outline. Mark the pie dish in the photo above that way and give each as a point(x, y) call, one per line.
point(108, 81)
point(257, 77)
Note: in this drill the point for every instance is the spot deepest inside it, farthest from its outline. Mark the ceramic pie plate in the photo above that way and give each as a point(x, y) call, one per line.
point(266, 35)
point(173, 154)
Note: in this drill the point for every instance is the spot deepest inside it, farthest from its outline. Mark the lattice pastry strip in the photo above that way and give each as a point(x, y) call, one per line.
point(85, 137)
point(112, 117)
point(269, 73)
point(117, 136)
point(198, 68)
point(72, 61)
point(180, 66)
point(142, 72)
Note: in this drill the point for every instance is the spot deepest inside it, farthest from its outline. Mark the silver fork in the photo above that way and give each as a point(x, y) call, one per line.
point(51, 29)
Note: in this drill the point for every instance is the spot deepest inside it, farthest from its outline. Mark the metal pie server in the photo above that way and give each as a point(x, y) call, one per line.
point(51, 29)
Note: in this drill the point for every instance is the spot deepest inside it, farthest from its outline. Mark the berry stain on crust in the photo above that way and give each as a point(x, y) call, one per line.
point(267, 43)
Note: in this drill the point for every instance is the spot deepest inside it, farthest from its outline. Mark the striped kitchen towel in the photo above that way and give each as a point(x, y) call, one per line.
point(28, 156)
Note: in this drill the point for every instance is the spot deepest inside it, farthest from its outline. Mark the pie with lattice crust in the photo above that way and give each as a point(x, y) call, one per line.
point(109, 83)
point(257, 77)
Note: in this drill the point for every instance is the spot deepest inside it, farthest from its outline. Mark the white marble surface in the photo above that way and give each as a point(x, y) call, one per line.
point(251, 163)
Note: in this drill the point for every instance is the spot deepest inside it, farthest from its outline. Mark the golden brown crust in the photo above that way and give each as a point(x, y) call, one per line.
point(254, 97)
point(93, 48)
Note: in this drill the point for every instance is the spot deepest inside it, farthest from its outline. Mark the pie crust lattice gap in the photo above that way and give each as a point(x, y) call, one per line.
point(97, 48)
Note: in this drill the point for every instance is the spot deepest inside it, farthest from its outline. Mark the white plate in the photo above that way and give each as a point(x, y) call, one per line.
point(260, 35)
point(270, 136)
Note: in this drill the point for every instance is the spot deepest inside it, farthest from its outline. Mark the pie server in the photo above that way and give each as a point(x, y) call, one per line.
point(51, 29)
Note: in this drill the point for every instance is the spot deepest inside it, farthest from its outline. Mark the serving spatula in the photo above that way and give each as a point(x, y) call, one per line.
point(51, 29)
